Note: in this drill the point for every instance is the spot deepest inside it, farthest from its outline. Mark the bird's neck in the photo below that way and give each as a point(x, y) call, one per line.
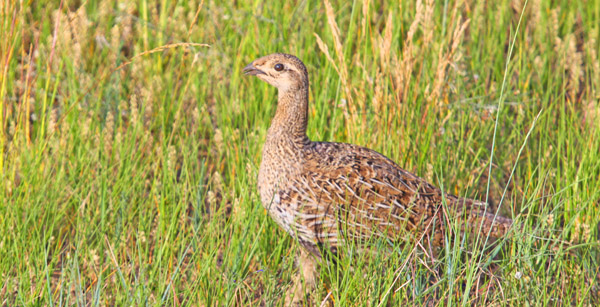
point(291, 117)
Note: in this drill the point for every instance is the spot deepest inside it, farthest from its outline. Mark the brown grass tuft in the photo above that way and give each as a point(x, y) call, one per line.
point(445, 60)
point(405, 61)
point(385, 43)
point(342, 68)
point(573, 61)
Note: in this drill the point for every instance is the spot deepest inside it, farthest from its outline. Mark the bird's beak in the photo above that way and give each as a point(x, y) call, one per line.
point(252, 71)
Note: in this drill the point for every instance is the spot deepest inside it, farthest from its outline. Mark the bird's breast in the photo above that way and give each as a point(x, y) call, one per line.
point(276, 168)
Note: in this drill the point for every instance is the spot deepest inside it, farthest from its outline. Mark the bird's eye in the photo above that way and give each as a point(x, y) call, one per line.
point(278, 67)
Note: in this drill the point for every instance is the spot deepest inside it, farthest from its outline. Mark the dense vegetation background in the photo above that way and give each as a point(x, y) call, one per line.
point(130, 151)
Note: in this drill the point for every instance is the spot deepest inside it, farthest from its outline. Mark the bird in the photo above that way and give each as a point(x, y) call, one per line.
point(325, 194)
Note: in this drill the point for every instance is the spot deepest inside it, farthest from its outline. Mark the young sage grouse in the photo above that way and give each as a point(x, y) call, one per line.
point(324, 194)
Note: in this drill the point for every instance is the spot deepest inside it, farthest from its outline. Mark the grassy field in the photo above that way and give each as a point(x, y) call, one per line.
point(130, 149)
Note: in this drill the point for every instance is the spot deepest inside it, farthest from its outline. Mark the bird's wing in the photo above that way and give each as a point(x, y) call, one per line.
point(346, 192)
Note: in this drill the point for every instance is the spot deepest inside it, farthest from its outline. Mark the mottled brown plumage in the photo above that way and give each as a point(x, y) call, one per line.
point(324, 194)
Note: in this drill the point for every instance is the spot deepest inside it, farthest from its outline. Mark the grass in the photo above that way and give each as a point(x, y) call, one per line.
point(130, 153)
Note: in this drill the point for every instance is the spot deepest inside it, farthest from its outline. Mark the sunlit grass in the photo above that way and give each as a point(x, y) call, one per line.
point(130, 153)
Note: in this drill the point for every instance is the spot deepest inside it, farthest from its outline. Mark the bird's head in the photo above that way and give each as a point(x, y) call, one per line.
point(281, 70)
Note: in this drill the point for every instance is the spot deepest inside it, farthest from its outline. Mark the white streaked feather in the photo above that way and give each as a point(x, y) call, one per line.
point(384, 206)
point(387, 224)
point(398, 204)
point(306, 216)
point(401, 218)
point(365, 183)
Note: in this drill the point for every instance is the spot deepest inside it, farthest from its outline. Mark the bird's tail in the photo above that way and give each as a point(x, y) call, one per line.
point(484, 222)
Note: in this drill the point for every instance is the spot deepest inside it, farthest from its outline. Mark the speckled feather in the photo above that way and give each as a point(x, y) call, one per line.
point(324, 194)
